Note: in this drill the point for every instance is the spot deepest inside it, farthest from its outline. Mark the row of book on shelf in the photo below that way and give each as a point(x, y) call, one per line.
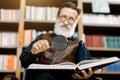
point(41, 13)
point(8, 39)
point(102, 41)
point(31, 13)
point(11, 37)
point(50, 14)
point(8, 62)
point(99, 19)
point(109, 1)
point(114, 67)
point(9, 14)
point(30, 34)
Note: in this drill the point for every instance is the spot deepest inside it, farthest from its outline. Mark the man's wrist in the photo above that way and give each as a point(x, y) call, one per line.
point(32, 51)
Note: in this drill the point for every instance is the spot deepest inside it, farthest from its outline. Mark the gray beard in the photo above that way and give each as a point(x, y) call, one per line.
point(66, 31)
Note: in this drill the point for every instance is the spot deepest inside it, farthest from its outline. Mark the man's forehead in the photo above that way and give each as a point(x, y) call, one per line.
point(69, 12)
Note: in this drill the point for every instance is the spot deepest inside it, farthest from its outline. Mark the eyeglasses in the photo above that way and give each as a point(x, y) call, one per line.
point(64, 18)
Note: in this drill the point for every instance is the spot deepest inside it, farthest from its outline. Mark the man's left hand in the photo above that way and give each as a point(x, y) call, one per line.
point(84, 75)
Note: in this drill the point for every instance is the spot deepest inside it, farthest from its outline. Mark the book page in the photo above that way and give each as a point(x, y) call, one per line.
point(51, 66)
point(65, 63)
point(86, 62)
point(99, 63)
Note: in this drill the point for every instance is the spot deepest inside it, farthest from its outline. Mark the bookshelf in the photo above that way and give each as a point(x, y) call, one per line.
point(41, 25)
point(105, 28)
point(102, 29)
point(11, 23)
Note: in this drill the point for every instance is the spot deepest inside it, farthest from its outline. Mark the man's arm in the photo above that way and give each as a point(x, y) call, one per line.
point(82, 52)
point(27, 57)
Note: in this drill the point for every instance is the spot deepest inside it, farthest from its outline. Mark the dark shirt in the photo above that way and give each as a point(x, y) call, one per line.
point(28, 58)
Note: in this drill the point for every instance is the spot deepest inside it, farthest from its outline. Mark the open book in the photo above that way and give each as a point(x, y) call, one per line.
point(85, 64)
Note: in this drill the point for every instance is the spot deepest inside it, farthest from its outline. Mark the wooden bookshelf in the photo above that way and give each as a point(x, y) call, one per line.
point(6, 4)
point(109, 1)
point(104, 30)
point(114, 6)
point(39, 25)
point(12, 26)
point(35, 24)
point(104, 49)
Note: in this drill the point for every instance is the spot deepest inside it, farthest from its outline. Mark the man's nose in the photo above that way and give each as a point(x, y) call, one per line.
point(66, 22)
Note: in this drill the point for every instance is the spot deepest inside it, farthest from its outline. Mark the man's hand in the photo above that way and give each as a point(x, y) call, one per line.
point(84, 75)
point(40, 46)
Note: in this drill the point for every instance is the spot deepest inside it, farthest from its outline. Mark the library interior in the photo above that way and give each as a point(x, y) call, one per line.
point(23, 20)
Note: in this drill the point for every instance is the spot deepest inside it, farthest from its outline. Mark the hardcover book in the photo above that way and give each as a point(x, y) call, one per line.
point(85, 64)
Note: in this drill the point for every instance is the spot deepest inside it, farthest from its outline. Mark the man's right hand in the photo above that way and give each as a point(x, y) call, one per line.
point(40, 46)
